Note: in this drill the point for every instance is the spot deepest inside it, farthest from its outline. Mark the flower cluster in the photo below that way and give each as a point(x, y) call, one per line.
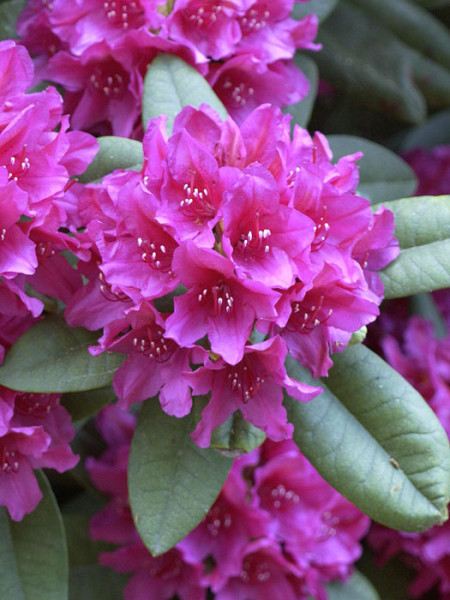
point(424, 360)
point(100, 51)
point(265, 246)
point(231, 247)
point(36, 163)
point(277, 528)
point(432, 167)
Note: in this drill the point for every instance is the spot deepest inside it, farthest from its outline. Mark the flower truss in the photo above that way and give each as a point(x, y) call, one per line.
point(276, 527)
point(36, 201)
point(100, 51)
point(424, 360)
point(232, 247)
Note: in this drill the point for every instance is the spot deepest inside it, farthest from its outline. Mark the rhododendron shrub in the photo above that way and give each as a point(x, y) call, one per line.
point(206, 275)
point(276, 525)
point(265, 236)
point(423, 358)
point(99, 51)
point(36, 165)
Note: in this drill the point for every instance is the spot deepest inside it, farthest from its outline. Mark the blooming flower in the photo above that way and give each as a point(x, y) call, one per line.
point(100, 51)
point(38, 156)
point(276, 525)
point(232, 247)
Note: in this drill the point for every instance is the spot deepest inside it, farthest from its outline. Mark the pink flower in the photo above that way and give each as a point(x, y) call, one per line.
point(227, 237)
point(254, 386)
point(276, 526)
point(35, 432)
point(432, 167)
point(100, 51)
point(217, 304)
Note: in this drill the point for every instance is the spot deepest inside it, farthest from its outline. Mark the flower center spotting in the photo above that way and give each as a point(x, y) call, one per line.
point(255, 570)
point(245, 379)
point(204, 15)
point(197, 202)
point(108, 79)
point(217, 520)
point(152, 343)
point(327, 527)
point(304, 319)
point(239, 93)
point(18, 165)
point(278, 497)
point(157, 255)
point(36, 405)
point(8, 460)
point(255, 239)
point(219, 295)
point(123, 13)
point(255, 19)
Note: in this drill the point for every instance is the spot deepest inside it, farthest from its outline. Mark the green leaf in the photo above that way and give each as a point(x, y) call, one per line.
point(383, 175)
point(392, 580)
point(418, 270)
point(435, 132)
point(172, 482)
point(237, 435)
point(433, 3)
point(432, 79)
point(364, 59)
point(114, 153)
point(321, 8)
point(33, 552)
point(169, 85)
point(9, 11)
point(88, 580)
point(81, 405)
point(413, 25)
point(301, 112)
point(420, 220)
point(375, 440)
point(52, 357)
point(357, 587)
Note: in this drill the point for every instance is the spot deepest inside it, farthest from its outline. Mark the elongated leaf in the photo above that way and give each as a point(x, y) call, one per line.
point(413, 25)
point(364, 59)
point(114, 153)
point(84, 404)
point(9, 11)
point(420, 220)
point(357, 587)
point(170, 84)
point(172, 482)
point(383, 175)
point(33, 552)
point(418, 270)
point(321, 8)
point(374, 439)
point(434, 132)
point(53, 357)
point(301, 112)
point(433, 3)
point(433, 80)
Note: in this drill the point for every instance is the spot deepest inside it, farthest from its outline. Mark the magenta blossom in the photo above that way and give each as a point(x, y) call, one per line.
point(35, 431)
point(100, 51)
point(232, 247)
point(275, 526)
